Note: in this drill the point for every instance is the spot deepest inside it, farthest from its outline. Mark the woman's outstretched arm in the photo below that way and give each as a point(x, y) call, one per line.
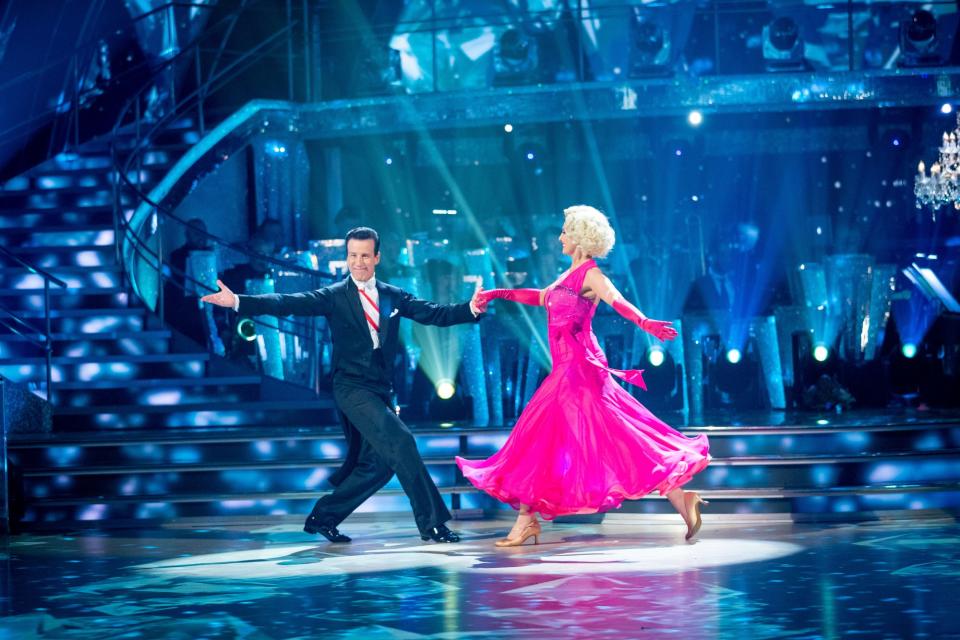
point(532, 297)
point(601, 285)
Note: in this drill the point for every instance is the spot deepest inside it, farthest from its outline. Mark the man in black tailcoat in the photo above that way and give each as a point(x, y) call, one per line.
point(364, 316)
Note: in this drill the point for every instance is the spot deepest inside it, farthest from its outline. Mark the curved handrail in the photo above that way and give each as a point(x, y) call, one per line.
point(46, 275)
point(153, 259)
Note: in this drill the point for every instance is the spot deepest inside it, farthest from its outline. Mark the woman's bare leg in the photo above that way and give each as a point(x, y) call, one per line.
point(524, 518)
point(687, 504)
point(676, 499)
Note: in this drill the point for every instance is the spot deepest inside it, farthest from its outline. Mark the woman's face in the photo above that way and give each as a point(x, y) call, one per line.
point(569, 246)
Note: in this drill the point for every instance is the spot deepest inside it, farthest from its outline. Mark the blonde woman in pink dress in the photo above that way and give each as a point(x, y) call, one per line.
point(583, 444)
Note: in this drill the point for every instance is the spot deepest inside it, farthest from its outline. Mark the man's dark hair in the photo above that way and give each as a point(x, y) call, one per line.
point(365, 233)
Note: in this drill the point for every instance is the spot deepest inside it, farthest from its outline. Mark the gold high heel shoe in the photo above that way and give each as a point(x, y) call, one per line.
point(697, 501)
point(531, 530)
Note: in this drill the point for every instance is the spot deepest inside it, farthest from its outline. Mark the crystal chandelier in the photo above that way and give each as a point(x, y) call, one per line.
point(941, 187)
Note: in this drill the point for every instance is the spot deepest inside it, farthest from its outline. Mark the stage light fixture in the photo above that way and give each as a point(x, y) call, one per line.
point(445, 389)
point(734, 355)
point(649, 48)
point(821, 353)
point(695, 118)
point(515, 58)
point(656, 356)
point(896, 138)
point(508, 128)
point(247, 329)
point(946, 108)
point(909, 350)
point(918, 40)
point(782, 46)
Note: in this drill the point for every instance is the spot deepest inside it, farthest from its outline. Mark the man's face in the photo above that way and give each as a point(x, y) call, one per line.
point(362, 259)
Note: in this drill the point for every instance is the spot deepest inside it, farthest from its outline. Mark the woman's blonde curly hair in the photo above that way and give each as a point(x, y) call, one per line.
point(590, 229)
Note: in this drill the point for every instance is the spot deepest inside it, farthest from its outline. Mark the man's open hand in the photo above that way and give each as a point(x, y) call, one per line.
point(222, 298)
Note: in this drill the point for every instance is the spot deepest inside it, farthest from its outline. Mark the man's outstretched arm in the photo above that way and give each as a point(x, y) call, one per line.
point(441, 315)
point(307, 303)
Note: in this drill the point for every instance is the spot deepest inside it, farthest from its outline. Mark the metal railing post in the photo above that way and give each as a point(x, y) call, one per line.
point(76, 105)
point(48, 343)
point(200, 91)
point(289, 50)
point(307, 55)
point(160, 282)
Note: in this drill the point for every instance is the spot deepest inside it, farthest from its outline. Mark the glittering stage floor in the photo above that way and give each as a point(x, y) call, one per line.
point(629, 577)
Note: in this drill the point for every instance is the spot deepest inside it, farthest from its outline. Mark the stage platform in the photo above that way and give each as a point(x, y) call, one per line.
point(629, 577)
point(856, 465)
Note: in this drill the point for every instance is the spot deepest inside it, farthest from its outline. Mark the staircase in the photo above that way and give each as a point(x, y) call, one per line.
point(119, 376)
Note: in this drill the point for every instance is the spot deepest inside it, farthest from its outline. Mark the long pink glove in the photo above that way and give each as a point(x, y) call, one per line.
point(523, 296)
point(660, 329)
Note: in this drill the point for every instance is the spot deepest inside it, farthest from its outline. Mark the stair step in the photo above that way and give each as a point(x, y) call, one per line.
point(804, 460)
point(153, 334)
point(106, 359)
point(263, 465)
point(60, 292)
point(195, 435)
point(57, 219)
point(65, 271)
point(81, 256)
point(115, 367)
point(74, 163)
point(260, 405)
point(73, 190)
point(86, 313)
point(59, 227)
point(733, 434)
point(88, 279)
point(147, 383)
point(260, 465)
point(218, 497)
point(93, 165)
point(55, 210)
point(106, 249)
point(81, 346)
point(18, 300)
point(769, 493)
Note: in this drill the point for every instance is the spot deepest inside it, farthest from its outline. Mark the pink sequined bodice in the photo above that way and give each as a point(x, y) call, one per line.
point(569, 315)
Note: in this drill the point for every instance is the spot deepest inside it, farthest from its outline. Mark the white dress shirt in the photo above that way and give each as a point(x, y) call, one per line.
point(369, 287)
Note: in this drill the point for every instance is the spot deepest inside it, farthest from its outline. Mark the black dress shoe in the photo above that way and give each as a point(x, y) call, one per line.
point(330, 533)
point(440, 533)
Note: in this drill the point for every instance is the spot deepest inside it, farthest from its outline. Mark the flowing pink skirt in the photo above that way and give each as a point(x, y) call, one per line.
point(584, 445)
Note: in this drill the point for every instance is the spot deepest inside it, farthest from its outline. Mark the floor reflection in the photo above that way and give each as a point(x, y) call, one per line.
point(624, 578)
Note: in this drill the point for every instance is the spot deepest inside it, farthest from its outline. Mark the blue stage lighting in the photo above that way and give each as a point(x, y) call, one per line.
point(695, 118)
point(655, 355)
point(946, 108)
point(389, 160)
point(446, 389)
point(821, 353)
point(508, 128)
point(733, 356)
point(908, 350)
point(530, 155)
